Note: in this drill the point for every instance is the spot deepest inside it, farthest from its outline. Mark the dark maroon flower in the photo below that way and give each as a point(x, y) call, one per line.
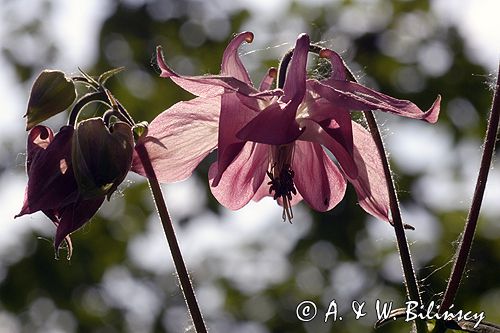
point(52, 186)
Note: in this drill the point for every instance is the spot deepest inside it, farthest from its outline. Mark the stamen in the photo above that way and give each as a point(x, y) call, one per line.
point(283, 188)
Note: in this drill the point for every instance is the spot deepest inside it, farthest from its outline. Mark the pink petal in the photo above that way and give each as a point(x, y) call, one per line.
point(276, 124)
point(353, 96)
point(316, 134)
point(339, 69)
point(371, 184)
point(209, 85)
point(335, 122)
point(268, 79)
point(242, 178)
point(234, 115)
point(295, 82)
point(317, 178)
point(273, 125)
point(179, 138)
point(231, 62)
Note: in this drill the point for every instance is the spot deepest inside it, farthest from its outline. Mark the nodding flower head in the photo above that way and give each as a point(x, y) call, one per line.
point(279, 141)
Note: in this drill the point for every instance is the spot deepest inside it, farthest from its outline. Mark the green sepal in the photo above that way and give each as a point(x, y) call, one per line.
point(140, 130)
point(109, 74)
point(52, 93)
point(101, 157)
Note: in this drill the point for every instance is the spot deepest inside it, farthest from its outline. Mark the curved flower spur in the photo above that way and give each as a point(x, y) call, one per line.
point(270, 142)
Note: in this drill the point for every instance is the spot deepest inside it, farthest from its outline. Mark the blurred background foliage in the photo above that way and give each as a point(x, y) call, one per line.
point(250, 270)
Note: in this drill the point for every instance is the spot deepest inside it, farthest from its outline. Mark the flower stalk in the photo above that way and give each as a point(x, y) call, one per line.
point(464, 248)
point(397, 221)
point(168, 228)
point(411, 284)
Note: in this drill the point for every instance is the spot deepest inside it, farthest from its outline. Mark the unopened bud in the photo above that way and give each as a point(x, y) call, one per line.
point(51, 94)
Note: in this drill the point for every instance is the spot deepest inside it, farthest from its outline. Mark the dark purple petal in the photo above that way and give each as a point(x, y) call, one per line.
point(51, 182)
point(73, 216)
point(317, 178)
point(242, 178)
point(101, 157)
point(39, 139)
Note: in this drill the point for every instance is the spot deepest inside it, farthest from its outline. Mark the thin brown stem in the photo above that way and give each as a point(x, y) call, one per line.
point(411, 284)
point(397, 221)
point(464, 248)
point(168, 228)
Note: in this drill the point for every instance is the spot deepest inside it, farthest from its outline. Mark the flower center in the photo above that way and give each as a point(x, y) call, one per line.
point(281, 175)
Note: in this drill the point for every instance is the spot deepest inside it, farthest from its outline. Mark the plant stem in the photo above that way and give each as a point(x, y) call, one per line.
point(98, 96)
point(397, 221)
point(168, 228)
point(411, 284)
point(464, 248)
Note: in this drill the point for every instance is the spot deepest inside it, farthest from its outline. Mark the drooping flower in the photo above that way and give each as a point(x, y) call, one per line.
point(276, 141)
point(57, 166)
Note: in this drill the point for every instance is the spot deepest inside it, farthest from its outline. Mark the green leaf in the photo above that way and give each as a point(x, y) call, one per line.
point(52, 93)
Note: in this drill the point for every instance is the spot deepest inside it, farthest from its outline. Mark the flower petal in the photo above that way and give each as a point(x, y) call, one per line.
point(339, 69)
point(334, 122)
point(179, 138)
point(273, 126)
point(276, 124)
point(371, 184)
point(101, 157)
point(317, 178)
point(39, 139)
point(213, 85)
point(295, 82)
point(242, 178)
point(231, 62)
point(315, 133)
point(268, 79)
point(51, 182)
point(74, 216)
point(233, 116)
point(353, 96)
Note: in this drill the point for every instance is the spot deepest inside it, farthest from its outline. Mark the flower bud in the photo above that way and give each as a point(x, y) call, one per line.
point(51, 94)
point(101, 156)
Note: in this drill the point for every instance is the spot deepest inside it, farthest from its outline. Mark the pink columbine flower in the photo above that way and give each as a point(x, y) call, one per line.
point(275, 141)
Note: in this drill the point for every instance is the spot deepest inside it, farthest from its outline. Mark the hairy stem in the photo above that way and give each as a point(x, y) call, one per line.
point(464, 248)
point(399, 228)
point(411, 284)
point(168, 228)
